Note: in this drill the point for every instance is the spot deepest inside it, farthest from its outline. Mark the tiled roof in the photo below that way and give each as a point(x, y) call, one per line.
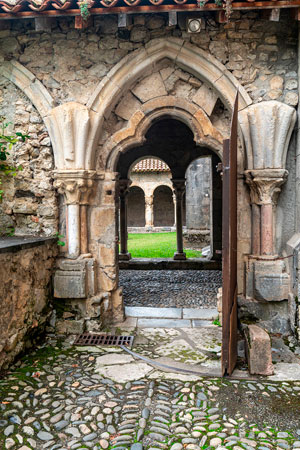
point(151, 165)
point(22, 8)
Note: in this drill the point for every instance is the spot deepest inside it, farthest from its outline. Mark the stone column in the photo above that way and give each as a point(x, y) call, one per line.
point(76, 188)
point(265, 186)
point(123, 193)
point(179, 189)
point(149, 216)
point(174, 202)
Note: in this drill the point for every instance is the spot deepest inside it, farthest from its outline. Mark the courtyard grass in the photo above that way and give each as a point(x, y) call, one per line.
point(155, 245)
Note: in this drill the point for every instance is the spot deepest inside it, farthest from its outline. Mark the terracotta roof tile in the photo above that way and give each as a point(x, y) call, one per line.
point(36, 6)
point(151, 165)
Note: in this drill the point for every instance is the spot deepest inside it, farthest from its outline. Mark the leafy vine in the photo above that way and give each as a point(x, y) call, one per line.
point(7, 141)
point(84, 10)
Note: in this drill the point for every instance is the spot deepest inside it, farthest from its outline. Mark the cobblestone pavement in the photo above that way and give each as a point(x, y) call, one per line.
point(64, 397)
point(174, 288)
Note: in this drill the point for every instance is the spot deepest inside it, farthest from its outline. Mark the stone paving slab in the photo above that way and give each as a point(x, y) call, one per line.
point(166, 313)
point(64, 398)
point(163, 323)
point(203, 314)
point(171, 313)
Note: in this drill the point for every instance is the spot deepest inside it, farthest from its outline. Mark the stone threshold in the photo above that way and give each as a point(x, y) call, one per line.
point(143, 317)
point(17, 243)
point(170, 264)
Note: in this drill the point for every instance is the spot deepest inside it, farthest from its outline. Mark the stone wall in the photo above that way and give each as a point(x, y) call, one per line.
point(29, 203)
point(25, 287)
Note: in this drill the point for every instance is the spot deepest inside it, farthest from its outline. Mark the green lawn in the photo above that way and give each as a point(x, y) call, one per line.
point(155, 245)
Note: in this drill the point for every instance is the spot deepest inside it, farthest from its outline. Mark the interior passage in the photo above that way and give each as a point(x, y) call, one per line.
point(171, 288)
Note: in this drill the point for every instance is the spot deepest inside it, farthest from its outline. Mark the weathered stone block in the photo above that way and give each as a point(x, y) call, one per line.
point(150, 87)
point(258, 351)
point(70, 326)
point(206, 98)
point(267, 280)
point(70, 279)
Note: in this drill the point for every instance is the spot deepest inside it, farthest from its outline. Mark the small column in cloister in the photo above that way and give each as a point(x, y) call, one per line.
point(179, 189)
point(267, 128)
point(76, 188)
point(123, 193)
point(149, 215)
point(265, 186)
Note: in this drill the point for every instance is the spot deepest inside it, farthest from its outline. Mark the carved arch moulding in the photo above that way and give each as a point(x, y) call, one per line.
point(205, 134)
point(75, 129)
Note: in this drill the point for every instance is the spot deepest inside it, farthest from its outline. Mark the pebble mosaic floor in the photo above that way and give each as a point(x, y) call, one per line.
point(171, 288)
point(63, 397)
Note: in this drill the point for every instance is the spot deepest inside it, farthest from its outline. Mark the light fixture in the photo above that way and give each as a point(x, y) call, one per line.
point(194, 25)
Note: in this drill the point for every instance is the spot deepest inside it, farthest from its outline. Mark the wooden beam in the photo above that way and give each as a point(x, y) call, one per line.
point(295, 13)
point(275, 15)
point(221, 17)
point(246, 6)
point(172, 18)
point(81, 24)
point(124, 20)
point(44, 23)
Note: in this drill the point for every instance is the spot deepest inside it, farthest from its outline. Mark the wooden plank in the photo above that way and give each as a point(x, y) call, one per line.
point(172, 18)
point(44, 23)
point(81, 24)
point(229, 223)
point(124, 20)
point(152, 9)
point(221, 17)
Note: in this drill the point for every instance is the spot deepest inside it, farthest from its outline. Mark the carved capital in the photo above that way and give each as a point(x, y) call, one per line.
point(179, 187)
point(265, 185)
point(149, 201)
point(123, 186)
point(76, 186)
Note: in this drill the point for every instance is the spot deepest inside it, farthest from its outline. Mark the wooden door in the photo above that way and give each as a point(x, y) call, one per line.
point(229, 248)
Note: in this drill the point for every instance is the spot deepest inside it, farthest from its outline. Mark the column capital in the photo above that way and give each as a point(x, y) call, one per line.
point(149, 200)
point(76, 186)
point(178, 186)
point(265, 185)
point(123, 186)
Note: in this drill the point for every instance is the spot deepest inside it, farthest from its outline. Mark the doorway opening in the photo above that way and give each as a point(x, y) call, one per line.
point(173, 206)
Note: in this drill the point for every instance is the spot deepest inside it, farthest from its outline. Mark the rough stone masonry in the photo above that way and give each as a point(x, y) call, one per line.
point(94, 94)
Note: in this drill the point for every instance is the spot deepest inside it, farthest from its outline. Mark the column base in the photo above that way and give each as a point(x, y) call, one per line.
point(179, 256)
point(124, 256)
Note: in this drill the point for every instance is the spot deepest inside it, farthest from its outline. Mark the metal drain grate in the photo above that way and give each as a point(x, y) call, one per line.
point(103, 340)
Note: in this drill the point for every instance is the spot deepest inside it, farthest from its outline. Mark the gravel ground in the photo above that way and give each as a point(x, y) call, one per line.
point(171, 288)
point(96, 398)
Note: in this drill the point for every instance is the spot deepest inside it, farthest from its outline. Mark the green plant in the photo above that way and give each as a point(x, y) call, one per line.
point(59, 241)
point(84, 10)
point(7, 141)
point(217, 322)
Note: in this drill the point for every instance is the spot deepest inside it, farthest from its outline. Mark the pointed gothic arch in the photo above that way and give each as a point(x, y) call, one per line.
point(27, 82)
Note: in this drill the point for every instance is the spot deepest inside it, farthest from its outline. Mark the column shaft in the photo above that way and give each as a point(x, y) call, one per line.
point(83, 230)
point(179, 188)
point(267, 229)
point(255, 238)
point(73, 231)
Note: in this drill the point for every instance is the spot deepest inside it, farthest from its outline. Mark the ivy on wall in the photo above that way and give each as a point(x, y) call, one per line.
point(7, 141)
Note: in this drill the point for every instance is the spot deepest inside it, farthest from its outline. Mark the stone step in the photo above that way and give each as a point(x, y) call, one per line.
point(171, 323)
point(140, 312)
